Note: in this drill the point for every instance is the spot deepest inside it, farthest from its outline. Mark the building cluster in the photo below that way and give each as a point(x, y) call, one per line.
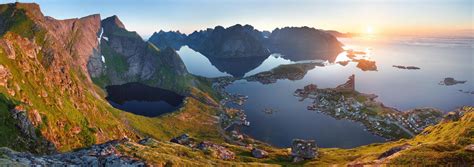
point(343, 102)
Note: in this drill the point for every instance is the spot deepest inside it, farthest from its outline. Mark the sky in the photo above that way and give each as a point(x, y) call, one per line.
point(404, 17)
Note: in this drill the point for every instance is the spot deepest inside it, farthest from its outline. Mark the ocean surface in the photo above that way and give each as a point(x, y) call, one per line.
point(437, 58)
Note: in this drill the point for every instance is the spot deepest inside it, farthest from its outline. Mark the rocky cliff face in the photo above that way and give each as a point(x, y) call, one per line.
point(304, 43)
point(173, 39)
point(125, 57)
point(233, 42)
point(43, 72)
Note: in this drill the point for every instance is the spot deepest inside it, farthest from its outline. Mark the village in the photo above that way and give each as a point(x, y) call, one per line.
point(343, 102)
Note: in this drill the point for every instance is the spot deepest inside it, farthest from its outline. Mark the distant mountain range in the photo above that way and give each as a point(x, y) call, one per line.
point(295, 43)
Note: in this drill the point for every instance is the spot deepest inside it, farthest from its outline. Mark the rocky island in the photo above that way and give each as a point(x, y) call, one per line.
point(450, 81)
point(291, 71)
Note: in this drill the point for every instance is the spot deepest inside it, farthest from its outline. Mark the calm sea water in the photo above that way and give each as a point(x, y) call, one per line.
point(403, 89)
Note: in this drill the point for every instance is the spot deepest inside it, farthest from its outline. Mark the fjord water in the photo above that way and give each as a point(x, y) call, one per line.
point(143, 100)
point(398, 88)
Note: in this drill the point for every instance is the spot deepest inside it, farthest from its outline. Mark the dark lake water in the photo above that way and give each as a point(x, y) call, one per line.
point(143, 100)
point(402, 89)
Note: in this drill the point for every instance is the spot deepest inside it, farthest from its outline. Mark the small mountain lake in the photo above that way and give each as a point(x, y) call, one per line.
point(142, 99)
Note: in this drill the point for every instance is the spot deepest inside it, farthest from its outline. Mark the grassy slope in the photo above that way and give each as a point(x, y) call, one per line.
point(62, 109)
point(442, 144)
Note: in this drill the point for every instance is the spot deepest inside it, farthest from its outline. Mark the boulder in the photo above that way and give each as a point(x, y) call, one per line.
point(185, 140)
point(258, 153)
point(146, 141)
point(220, 151)
point(394, 150)
point(303, 150)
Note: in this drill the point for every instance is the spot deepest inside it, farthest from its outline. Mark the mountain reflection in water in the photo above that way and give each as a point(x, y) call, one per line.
point(143, 100)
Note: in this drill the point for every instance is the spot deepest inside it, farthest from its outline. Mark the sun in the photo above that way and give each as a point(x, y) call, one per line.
point(369, 30)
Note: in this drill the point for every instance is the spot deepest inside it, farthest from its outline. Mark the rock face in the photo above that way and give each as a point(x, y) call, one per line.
point(43, 69)
point(303, 150)
point(127, 58)
point(98, 155)
point(233, 42)
point(80, 35)
point(173, 39)
point(304, 43)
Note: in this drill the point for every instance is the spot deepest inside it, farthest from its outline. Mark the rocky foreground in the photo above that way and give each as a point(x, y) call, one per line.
point(98, 155)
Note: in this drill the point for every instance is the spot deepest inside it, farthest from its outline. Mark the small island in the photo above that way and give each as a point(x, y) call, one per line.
point(290, 71)
point(406, 67)
point(450, 81)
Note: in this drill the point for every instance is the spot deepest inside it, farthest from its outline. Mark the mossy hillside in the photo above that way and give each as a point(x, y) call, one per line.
point(62, 108)
point(442, 144)
point(194, 118)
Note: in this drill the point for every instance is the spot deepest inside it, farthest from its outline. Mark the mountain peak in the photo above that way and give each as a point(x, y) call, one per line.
point(113, 21)
point(31, 9)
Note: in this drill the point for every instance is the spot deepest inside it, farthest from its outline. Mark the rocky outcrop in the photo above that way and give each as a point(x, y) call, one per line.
point(233, 42)
point(219, 151)
point(173, 39)
point(303, 150)
point(35, 142)
point(98, 155)
point(80, 37)
point(304, 43)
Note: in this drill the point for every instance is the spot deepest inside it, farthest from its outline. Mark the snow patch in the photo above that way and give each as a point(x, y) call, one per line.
point(100, 34)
